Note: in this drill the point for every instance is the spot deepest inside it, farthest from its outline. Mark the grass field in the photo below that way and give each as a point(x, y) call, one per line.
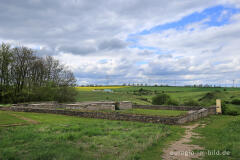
point(222, 133)
point(180, 94)
point(65, 137)
point(233, 107)
point(7, 119)
point(99, 88)
point(162, 113)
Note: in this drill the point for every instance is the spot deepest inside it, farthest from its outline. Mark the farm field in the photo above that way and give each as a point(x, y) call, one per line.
point(66, 137)
point(99, 88)
point(143, 95)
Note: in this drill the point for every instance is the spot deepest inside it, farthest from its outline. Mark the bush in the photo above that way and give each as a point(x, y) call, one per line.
point(50, 93)
point(232, 113)
point(172, 102)
point(66, 94)
point(236, 101)
point(191, 103)
point(160, 99)
point(117, 106)
point(142, 91)
point(227, 111)
point(143, 99)
point(208, 96)
point(224, 108)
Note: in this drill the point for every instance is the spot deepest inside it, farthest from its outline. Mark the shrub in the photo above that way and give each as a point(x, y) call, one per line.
point(143, 99)
point(224, 108)
point(66, 94)
point(227, 111)
point(227, 102)
point(191, 103)
point(208, 96)
point(236, 101)
point(172, 102)
point(232, 113)
point(160, 99)
point(142, 91)
point(117, 106)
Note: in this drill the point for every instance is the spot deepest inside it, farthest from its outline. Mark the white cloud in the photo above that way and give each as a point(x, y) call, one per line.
point(81, 33)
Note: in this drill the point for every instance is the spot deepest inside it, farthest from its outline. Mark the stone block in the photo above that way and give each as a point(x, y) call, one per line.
point(125, 105)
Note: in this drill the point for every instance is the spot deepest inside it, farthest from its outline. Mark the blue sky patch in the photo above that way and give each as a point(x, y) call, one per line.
point(214, 16)
point(103, 61)
point(141, 62)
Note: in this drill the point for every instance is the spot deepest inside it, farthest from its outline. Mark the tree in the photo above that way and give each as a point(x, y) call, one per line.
point(160, 99)
point(26, 77)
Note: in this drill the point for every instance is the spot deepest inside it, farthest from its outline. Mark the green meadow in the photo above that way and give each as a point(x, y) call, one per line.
point(8, 119)
point(65, 137)
point(220, 137)
point(143, 95)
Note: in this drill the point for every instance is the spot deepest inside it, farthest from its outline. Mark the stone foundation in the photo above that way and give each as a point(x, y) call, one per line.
point(159, 107)
point(191, 116)
point(91, 106)
point(125, 105)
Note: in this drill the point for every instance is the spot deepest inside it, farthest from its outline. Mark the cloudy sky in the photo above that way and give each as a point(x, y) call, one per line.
point(131, 41)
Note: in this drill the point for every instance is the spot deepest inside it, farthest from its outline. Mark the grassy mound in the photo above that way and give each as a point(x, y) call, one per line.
point(209, 98)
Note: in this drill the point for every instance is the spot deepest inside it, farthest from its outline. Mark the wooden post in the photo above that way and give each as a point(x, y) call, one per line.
point(218, 106)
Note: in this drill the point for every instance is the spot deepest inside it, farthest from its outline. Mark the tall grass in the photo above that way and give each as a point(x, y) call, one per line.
point(221, 134)
point(64, 137)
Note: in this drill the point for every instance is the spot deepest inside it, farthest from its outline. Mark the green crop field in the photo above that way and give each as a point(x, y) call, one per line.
point(65, 137)
point(203, 96)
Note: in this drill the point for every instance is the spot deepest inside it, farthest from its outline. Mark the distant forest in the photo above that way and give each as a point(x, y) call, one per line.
point(25, 77)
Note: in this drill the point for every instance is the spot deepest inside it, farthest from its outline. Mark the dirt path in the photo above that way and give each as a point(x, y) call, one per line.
point(10, 125)
point(181, 150)
point(25, 119)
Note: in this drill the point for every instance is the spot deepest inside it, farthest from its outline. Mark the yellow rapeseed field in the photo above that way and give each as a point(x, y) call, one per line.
point(99, 88)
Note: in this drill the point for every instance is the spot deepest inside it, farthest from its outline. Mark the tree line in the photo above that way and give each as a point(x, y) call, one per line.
point(26, 77)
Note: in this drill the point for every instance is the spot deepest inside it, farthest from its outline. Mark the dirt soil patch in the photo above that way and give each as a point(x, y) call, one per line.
point(181, 149)
point(31, 121)
point(11, 125)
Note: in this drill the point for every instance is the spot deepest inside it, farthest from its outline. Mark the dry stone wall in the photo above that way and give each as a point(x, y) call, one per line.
point(159, 107)
point(125, 105)
point(93, 106)
point(191, 116)
point(103, 115)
